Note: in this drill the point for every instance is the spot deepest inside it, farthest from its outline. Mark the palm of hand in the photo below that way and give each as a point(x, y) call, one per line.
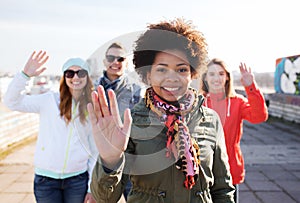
point(247, 79)
point(113, 137)
point(247, 76)
point(34, 63)
point(110, 134)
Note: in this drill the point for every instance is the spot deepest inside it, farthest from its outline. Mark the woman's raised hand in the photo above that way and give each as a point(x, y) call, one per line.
point(110, 134)
point(247, 76)
point(34, 64)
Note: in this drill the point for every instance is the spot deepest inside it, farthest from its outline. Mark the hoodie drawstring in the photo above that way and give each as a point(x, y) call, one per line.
point(228, 108)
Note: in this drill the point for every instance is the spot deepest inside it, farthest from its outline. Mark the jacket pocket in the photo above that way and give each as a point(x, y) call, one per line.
point(142, 195)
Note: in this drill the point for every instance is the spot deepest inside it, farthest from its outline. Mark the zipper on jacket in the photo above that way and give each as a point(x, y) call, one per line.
point(69, 140)
point(67, 151)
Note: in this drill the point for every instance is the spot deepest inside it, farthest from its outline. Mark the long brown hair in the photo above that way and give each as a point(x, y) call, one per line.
point(229, 89)
point(65, 105)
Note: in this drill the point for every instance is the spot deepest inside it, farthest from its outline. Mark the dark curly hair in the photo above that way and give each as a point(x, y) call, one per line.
point(178, 35)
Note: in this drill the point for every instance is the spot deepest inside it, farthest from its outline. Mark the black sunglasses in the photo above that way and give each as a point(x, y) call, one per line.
point(80, 73)
point(111, 58)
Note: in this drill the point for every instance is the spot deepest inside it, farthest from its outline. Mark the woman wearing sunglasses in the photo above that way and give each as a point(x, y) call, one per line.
point(65, 150)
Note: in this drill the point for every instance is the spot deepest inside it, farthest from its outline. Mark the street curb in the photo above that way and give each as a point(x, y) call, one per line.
point(4, 152)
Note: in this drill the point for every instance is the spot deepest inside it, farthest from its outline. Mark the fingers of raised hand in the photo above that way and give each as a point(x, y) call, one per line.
point(95, 113)
point(34, 63)
point(244, 68)
point(114, 109)
point(247, 76)
point(100, 103)
point(102, 100)
point(127, 121)
point(92, 114)
point(96, 105)
point(40, 57)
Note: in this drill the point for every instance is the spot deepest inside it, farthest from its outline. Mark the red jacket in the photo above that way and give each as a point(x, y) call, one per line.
point(232, 112)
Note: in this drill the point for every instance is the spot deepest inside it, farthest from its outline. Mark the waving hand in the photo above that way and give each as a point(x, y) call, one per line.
point(34, 64)
point(247, 76)
point(110, 134)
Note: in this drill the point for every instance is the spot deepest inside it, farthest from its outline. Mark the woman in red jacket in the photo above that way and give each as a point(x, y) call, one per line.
point(217, 87)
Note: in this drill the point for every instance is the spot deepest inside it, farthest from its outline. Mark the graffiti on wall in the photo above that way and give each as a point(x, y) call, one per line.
point(287, 75)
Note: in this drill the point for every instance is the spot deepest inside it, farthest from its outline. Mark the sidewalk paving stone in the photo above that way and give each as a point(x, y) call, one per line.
point(272, 162)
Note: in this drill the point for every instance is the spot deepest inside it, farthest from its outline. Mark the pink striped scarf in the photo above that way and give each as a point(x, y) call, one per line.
point(179, 142)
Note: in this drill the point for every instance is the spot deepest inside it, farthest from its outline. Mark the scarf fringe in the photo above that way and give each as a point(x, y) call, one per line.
point(189, 182)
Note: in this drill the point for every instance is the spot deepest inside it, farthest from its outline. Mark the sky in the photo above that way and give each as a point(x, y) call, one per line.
point(256, 32)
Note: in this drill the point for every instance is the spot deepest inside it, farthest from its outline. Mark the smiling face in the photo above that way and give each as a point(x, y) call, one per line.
point(115, 69)
point(216, 78)
point(76, 83)
point(170, 75)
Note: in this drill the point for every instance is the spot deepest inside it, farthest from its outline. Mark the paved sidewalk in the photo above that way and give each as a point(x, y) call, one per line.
point(16, 175)
point(271, 152)
point(272, 162)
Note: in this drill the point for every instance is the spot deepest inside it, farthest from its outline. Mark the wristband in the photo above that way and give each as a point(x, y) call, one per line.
point(24, 74)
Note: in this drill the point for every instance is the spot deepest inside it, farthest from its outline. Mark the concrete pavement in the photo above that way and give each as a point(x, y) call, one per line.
point(16, 175)
point(271, 152)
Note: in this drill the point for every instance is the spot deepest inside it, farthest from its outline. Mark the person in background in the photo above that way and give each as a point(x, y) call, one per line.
point(172, 148)
point(114, 77)
point(217, 87)
point(65, 150)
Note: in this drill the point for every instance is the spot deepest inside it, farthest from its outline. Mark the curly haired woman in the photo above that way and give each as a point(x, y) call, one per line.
point(172, 148)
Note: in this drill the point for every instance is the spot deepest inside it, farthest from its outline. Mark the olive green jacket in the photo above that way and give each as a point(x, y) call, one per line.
point(154, 176)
